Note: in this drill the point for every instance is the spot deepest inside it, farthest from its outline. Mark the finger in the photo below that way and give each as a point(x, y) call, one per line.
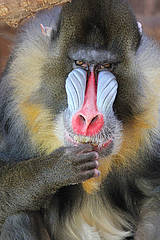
point(89, 174)
point(81, 148)
point(87, 157)
point(89, 166)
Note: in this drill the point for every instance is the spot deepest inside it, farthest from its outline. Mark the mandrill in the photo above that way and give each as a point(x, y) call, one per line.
point(80, 127)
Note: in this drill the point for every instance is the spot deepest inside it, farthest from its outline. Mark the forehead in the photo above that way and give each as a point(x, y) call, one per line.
point(91, 54)
point(93, 46)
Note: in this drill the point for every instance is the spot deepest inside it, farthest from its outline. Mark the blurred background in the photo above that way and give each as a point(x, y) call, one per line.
point(147, 12)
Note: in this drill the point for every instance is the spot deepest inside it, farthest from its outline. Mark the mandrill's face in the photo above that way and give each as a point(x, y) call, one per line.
point(91, 89)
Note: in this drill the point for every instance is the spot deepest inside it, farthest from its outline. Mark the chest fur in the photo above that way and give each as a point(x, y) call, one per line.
point(94, 221)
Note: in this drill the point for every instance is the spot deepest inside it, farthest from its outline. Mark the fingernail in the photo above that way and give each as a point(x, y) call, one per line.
point(97, 163)
point(97, 155)
point(97, 173)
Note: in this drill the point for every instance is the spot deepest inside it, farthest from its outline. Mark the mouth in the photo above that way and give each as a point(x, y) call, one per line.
point(98, 144)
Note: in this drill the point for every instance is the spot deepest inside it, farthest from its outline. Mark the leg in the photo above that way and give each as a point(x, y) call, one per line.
point(24, 226)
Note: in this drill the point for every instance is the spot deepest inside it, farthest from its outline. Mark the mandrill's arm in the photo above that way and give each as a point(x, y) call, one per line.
point(25, 185)
point(149, 224)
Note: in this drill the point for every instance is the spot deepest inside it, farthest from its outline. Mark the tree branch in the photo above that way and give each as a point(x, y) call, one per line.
point(13, 12)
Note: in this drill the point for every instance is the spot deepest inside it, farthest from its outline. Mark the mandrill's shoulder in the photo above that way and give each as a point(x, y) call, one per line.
point(148, 58)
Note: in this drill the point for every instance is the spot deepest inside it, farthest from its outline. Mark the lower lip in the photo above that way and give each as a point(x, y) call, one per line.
point(104, 145)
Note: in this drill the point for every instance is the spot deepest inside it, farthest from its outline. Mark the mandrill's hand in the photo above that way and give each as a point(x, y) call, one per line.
point(73, 165)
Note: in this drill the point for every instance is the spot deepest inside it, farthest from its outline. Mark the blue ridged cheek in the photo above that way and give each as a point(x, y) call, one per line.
point(75, 88)
point(106, 91)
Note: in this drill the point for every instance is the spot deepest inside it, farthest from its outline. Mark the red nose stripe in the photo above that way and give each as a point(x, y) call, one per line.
point(88, 121)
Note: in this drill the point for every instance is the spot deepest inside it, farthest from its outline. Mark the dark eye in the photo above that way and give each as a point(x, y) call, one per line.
point(81, 63)
point(107, 66)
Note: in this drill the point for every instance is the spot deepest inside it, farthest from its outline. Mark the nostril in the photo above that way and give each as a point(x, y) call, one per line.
point(82, 118)
point(94, 120)
point(87, 124)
